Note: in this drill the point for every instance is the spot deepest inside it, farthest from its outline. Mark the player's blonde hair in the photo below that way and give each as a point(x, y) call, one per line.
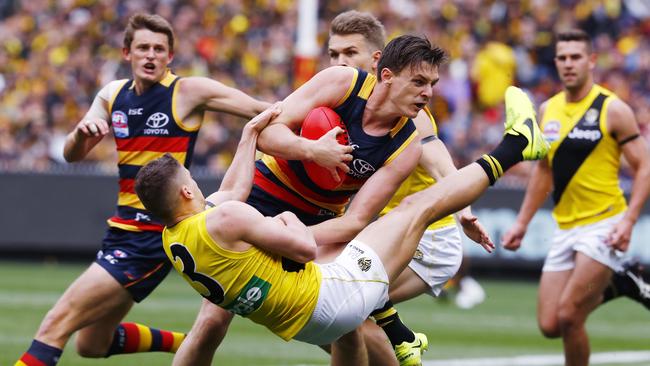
point(356, 22)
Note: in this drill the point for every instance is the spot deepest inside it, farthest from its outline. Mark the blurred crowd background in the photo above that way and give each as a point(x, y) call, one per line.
point(56, 54)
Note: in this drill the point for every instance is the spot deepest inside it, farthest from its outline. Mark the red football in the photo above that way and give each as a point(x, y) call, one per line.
point(317, 123)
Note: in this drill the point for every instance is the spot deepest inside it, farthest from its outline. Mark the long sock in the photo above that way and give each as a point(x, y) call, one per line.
point(388, 319)
point(133, 337)
point(503, 157)
point(40, 354)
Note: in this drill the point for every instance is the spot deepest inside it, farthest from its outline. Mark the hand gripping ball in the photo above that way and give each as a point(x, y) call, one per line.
point(317, 123)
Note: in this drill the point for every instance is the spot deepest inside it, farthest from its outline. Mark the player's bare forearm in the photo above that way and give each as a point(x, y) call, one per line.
point(238, 180)
point(201, 92)
point(279, 141)
point(539, 187)
point(640, 163)
point(337, 230)
point(83, 138)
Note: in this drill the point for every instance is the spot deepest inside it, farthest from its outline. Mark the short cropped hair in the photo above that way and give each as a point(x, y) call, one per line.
point(409, 51)
point(154, 185)
point(152, 22)
point(575, 34)
point(356, 22)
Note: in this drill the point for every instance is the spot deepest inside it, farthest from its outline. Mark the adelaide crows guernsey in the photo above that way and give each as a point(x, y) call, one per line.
point(145, 127)
point(283, 185)
point(417, 181)
point(584, 159)
point(252, 283)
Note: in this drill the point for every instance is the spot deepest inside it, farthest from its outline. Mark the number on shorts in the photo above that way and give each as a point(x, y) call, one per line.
point(179, 251)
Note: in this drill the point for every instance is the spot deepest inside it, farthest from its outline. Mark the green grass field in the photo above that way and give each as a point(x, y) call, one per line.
point(504, 325)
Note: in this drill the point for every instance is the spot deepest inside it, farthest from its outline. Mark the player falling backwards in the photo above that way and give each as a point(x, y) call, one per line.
point(377, 110)
point(233, 255)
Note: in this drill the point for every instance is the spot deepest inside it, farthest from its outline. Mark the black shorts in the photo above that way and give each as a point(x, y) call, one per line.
point(136, 260)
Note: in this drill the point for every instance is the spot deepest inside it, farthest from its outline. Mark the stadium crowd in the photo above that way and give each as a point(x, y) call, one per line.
point(55, 54)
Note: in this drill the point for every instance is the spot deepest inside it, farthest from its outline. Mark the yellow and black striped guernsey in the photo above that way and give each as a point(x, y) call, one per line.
point(584, 159)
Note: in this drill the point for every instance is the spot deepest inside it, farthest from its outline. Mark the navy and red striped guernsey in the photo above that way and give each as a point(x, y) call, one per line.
point(145, 127)
point(282, 185)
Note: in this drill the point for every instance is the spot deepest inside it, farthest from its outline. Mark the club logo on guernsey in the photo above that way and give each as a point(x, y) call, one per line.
point(552, 131)
point(361, 168)
point(250, 298)
point(591, 117)
point(119, 120)
point(156, 122)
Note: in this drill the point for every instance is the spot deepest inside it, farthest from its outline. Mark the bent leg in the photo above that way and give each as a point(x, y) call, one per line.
point(395, 236)
point(583, 293)
point(551, 287)
point(93, 296)
point(208, 331)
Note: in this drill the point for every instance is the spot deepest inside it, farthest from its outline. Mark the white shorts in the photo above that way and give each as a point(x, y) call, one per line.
point(587, 239)
point(352, 287)
point(438, 257)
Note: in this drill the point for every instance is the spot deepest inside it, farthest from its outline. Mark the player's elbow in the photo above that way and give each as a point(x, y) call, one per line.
point(240, 193)
point(305, 252)
point(71, 157)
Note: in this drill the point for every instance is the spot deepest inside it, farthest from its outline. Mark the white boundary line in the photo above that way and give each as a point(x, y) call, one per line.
point(622, 357)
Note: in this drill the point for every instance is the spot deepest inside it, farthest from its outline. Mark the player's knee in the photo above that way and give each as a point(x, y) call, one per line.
point(407, 203)
point(549, 328)
point(212, 322)
point(568, 317)
point(372, 334)
point(350, 342)
point(90, 348)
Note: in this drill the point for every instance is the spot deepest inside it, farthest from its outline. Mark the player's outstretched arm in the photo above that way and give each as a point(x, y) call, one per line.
point(214, 96)
point(623, 125)
point(371, 198)
point(90, 130)
point(234, 225)
point(539, 186)
point(238, 180)
point(281, 139)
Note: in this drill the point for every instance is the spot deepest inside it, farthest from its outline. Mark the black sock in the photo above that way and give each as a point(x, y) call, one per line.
point(623, 285)
point(503, 157)
point(388, 319)
point(610, 293)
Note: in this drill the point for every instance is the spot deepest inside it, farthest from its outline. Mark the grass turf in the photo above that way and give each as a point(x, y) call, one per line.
point(504, 325)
